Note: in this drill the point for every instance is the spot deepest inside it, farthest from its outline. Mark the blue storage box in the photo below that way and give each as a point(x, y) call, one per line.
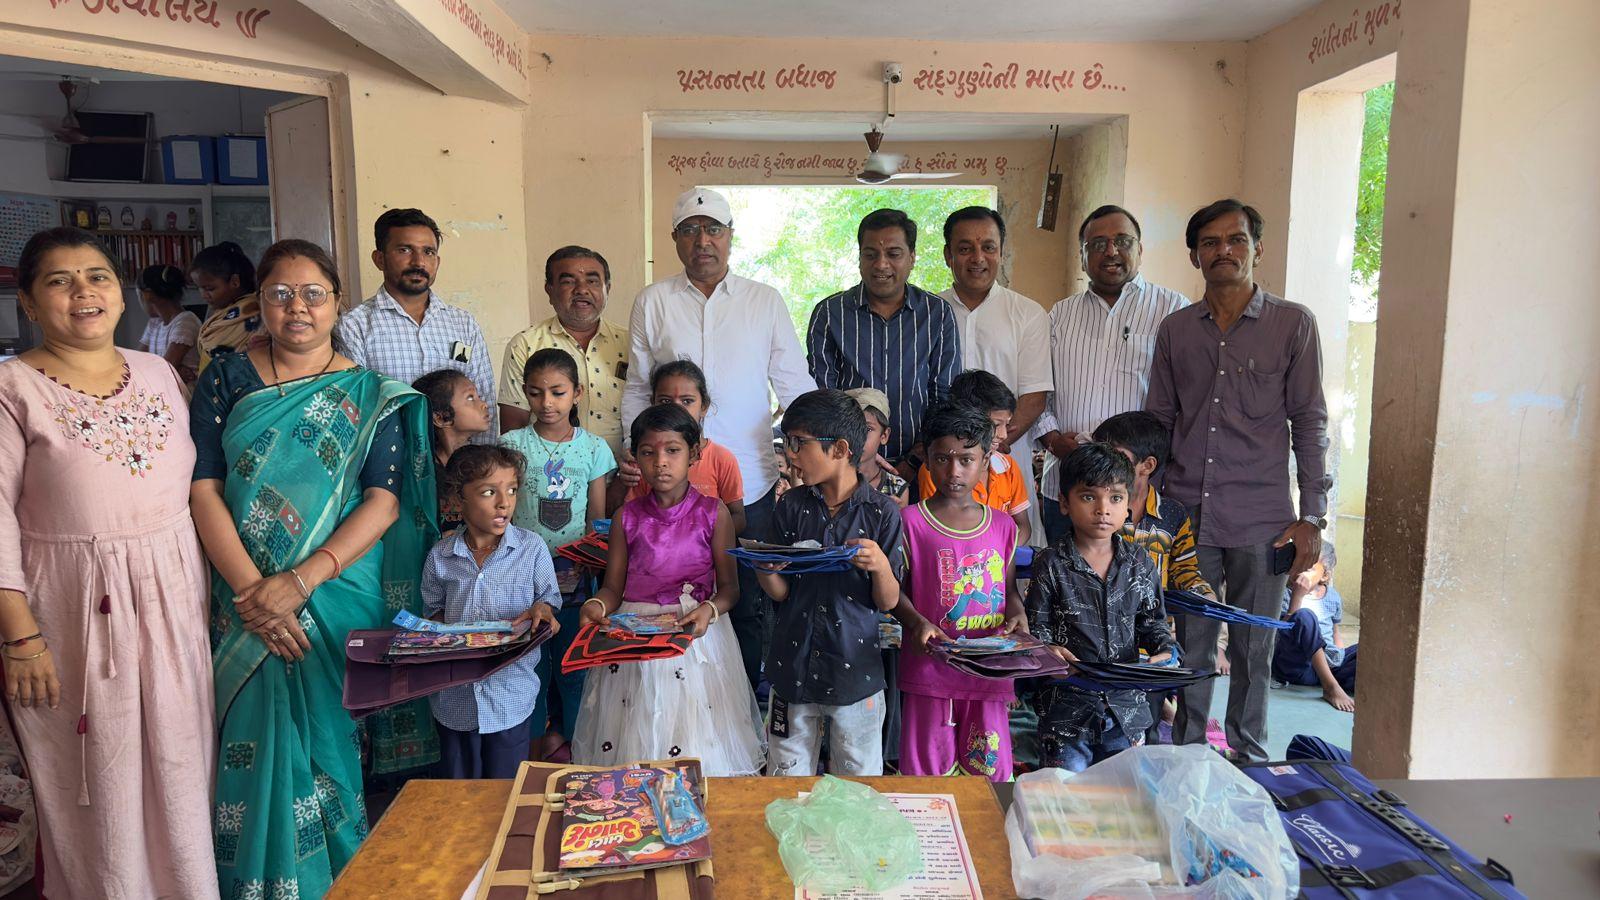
point(241, 159)
point(188, 159)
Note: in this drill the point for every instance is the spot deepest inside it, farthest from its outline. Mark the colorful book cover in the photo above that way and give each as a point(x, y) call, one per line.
point(646, 623)
point(607, 822)
point(1084, 821)
point(423, 643)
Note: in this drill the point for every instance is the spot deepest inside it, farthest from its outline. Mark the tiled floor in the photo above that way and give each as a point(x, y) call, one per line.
point(1293, 710)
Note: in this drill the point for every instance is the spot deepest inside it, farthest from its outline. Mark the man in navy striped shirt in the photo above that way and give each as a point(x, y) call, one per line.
point(887, 334)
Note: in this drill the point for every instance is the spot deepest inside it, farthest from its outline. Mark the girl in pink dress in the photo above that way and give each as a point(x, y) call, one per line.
point(103, 592)
point(669, 553)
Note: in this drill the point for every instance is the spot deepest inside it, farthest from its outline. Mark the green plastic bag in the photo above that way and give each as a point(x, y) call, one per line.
point(843, 836)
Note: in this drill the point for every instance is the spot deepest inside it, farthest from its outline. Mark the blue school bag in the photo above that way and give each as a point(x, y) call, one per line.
point(1358, 842)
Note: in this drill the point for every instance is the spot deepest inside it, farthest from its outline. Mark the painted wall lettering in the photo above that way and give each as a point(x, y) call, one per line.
point(962, 83)
point(203, 12)
point(1363, 23)
point(788, 78)
point(507, 51)
point(783, 163)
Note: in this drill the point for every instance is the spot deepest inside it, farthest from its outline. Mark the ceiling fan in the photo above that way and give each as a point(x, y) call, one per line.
point(66, 130)
point(881, 167)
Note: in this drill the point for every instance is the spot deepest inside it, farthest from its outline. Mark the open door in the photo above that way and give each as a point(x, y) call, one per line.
point(300, 175)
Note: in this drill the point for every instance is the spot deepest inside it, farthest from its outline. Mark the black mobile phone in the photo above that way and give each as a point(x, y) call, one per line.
point(1283, 559)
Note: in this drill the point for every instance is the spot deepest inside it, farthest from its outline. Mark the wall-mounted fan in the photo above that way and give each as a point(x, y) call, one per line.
point(68, 130)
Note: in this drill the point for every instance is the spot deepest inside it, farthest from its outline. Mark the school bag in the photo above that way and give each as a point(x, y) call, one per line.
point(1356, 841)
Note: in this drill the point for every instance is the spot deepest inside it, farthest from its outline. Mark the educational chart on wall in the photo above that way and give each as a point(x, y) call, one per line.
point(20, 216)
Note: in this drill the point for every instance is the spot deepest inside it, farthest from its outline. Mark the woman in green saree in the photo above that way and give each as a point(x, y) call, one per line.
point(313, 495)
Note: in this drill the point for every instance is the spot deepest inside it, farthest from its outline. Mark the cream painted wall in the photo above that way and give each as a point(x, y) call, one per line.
point(1037, 260)
point(398, 141)
point(588, 136)
point(1096, 174)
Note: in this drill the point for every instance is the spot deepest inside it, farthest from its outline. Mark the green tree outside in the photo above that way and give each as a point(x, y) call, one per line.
point(802, 240)
point(1373, 178)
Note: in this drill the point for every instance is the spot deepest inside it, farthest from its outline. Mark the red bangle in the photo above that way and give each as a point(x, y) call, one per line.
point(20, 641)
point(338, 567)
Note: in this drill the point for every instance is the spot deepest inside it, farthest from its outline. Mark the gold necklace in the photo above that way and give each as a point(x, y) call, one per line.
point(272, 359)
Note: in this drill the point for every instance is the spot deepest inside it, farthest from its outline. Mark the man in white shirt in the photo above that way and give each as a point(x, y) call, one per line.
point(406, 330)
point(739, 332)
point(1102, 344)
point(1002, 332)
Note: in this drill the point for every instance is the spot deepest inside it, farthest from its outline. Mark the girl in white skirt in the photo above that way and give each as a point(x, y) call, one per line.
point(669, 553)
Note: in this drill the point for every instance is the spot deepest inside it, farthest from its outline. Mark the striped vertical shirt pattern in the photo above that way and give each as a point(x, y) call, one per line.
point(912, 356)
point(1101, 355)
point(380, 335)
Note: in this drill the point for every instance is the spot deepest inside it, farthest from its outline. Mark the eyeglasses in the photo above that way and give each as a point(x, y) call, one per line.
point(281, 294)
point(794, 442)
point(693, 231)
point(1123, 242)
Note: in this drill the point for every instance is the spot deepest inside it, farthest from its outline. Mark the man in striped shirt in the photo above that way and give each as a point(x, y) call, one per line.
point(887, 334)
point(1102, 342)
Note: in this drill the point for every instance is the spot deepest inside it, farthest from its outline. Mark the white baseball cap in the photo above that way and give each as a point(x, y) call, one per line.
point(701, 202)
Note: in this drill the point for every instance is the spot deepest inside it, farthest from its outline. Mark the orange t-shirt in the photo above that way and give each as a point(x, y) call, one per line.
point(1002, 490)
point(715, 474)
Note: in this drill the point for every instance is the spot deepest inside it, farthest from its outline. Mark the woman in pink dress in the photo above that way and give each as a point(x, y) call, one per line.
point(103, 592)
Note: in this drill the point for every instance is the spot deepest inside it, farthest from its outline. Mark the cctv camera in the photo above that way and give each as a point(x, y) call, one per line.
point(891, 73)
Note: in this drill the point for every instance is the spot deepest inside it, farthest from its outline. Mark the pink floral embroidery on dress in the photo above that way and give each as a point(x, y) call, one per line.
point(129, 428)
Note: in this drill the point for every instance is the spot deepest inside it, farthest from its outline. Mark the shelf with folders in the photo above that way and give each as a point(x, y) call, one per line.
point(135, 250)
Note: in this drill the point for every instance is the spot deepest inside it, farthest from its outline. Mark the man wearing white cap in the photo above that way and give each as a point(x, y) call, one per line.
point(739, 332)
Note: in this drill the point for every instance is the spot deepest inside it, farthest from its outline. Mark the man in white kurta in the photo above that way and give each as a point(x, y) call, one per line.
point(1002, 332)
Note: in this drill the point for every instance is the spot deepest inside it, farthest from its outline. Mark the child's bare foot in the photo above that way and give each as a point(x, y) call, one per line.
point(1339, 700)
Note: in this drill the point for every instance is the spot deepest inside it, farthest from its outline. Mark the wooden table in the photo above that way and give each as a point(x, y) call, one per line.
point(432, 839)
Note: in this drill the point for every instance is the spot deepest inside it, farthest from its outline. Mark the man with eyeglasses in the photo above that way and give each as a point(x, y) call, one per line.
point(739, 332)
point(1238, 379)
point(577, 280)
point(406, 330)
point(1101, 345)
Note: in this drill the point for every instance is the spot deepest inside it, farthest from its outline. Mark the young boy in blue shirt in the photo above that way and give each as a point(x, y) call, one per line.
point(824, 665)
point(488, 570)
point(1311, 652)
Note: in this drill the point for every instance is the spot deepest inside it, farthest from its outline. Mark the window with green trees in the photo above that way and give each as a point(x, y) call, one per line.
point(1369, 197)
point(802, 240)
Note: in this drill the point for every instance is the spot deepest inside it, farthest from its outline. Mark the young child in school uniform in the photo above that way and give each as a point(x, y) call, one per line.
point(489, 569)
point(1004, 484)
point(456, 415)
point(1159, 524)
point(567, 471)
point(715, 472)
point(1093, 597)
point(960, 584)
point(824, 665)
point(669, 553)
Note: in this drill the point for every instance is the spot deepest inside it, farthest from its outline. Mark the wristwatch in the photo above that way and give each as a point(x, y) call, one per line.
point(1320, 521)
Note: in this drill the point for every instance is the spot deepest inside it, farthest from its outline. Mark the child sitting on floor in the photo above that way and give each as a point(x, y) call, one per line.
point(824, 666)
point(715, 472)
point(669, 553)
point(960, 584)
point(457, 414)
point(1004, 483)
point(1093, 598)
point(1311, 653)
point(489, 570)
point(874, 469)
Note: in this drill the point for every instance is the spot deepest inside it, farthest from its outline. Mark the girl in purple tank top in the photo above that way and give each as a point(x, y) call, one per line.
point(669, 553)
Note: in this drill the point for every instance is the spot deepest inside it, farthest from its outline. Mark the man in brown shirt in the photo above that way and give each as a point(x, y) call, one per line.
point(1238, 379)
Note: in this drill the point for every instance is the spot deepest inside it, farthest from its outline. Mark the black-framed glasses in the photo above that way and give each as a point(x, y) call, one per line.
point(794, 442)
point(693, 231)
point(1123, 242)
point(282, 294)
